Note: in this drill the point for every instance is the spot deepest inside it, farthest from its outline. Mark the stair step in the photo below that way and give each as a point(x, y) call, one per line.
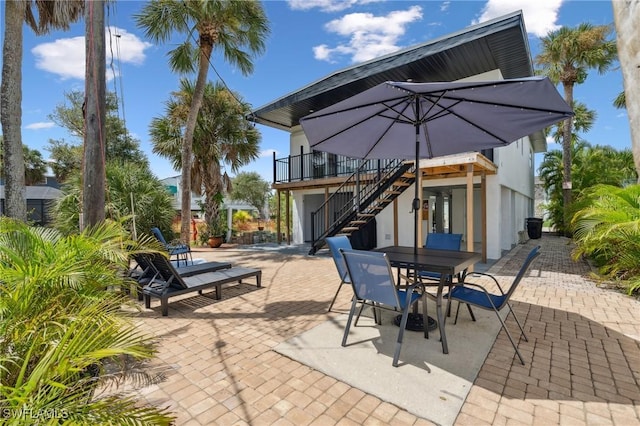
point(350, 228)
point(401, 183)
point(392, 192)
point(358, 222)
point(366, 214)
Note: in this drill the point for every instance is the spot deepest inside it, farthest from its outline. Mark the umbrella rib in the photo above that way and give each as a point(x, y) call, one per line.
point(388, 107)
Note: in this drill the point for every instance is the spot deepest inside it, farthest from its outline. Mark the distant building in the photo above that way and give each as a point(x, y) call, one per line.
point(39, 200)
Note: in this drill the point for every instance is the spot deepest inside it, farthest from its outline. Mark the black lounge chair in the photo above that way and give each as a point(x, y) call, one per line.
point(145, 272)
point(168, 282)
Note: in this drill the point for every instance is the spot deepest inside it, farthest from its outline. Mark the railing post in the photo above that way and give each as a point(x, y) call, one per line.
point(289, 168)
point(302, 163)
point(274, 167)
point(358, 186)
point(313, 227)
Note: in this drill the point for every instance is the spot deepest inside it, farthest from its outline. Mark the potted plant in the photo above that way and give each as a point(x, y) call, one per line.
point(217, 230)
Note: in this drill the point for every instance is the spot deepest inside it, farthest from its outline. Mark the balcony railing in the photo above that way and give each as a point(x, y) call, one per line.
point(317, 165)
point(321, 165)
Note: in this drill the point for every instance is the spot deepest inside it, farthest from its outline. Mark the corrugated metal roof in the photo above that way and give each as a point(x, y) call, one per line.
point(38, 193)
point(497, 44)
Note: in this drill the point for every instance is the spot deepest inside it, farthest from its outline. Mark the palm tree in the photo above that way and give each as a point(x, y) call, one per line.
point(582, 122)
point(567, 55)
point(592, 165)
point(135, 197)
point(222, 137)
point(238, 28)
point(51, 14)
point(627, 19)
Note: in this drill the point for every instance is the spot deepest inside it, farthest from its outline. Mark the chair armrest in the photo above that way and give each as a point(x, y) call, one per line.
point(482, 274)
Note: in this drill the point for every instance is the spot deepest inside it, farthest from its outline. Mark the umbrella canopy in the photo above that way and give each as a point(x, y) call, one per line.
point(444, 118)
point(387, 120)
point(424, 120)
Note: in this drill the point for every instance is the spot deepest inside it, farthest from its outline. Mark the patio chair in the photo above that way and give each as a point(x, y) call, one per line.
point(440, 241)
point(181, 251)
point(477, 295)
point(373, 285)
point(335, 244)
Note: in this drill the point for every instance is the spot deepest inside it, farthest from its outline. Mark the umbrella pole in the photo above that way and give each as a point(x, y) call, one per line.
point(416, 199)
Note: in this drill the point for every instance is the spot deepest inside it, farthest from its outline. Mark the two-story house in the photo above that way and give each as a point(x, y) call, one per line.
point(486, 196)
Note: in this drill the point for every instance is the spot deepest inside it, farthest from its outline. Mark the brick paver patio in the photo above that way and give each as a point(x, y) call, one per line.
point(582, 357)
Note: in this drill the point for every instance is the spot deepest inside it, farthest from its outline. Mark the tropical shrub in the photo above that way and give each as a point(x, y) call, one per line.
point(242, 220)
point(607, 229)
point(134, 196)
point(63, 333)
point(592, 165)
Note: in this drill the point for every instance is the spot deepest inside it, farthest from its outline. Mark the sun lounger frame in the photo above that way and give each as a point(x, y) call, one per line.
point(177, 285)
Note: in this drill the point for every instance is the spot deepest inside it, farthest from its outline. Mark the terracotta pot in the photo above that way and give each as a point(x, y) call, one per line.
point(214, 242)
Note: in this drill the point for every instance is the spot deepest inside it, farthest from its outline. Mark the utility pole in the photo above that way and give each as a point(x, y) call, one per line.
point(93, 167)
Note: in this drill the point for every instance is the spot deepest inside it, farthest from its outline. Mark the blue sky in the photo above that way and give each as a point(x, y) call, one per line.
point(309, 39)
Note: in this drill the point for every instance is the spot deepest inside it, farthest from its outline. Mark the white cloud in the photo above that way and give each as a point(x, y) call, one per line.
point(550, 140)
point(40, 125)
point(369, 36)
point(65, 57)
point(327, 5)
point(540, 16)
point(445, 6)
point(268, 153)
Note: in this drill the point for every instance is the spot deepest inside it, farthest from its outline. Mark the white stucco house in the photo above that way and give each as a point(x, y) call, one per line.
point(486, 196)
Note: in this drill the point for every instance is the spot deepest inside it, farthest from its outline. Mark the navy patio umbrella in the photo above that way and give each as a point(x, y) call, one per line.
point(405, 120)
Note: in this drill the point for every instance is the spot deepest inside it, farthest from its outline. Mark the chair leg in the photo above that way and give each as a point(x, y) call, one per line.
point(403, 325)
point(425, 316)
point(513, 343)
point(515, 317)
point(335, 296)
point(360, 313)
point(354, 302)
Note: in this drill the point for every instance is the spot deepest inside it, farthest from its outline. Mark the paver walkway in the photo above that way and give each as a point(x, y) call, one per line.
point(582, 357)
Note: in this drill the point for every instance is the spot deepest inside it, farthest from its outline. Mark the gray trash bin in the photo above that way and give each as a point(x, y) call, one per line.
point(534, 227)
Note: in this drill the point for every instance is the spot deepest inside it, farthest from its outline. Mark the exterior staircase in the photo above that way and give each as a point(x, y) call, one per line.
point(359, 199)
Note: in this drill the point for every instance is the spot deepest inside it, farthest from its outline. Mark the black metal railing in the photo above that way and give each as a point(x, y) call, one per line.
point(355, 200)
point(317, 165)
point(321, 165)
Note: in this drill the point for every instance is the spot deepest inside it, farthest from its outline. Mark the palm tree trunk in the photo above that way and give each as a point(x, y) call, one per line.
point(627, 20)
point(94, 175)
point(187, 145)
point(566, 157)
point(11, 111)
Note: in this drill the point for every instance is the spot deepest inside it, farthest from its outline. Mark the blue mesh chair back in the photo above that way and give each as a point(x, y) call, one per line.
point(371, 278)
point(335, 245)
point(440, 241)
point(443, 241)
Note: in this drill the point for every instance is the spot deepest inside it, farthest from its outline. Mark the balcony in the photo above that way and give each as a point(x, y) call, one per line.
point(317, 165)
point(323, 169)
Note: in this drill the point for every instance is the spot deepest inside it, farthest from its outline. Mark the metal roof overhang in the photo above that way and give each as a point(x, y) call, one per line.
point(499, 44)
